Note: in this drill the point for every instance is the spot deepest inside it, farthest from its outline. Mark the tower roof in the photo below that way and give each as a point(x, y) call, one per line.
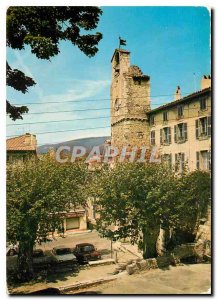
point(120, 51)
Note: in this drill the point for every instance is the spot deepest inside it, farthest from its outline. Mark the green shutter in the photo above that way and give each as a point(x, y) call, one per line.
point(198, 160)
point(161, 136)
point(209, 158)
point(169, 134)
point(170, 161)
point(175, 133)
point(186, 131)
point(183, 161)
point(209, 125)
point(197, 128)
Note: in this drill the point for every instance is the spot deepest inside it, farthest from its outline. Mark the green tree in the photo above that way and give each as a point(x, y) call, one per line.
point(43, 28)
point(193, 198)
point(37, 192)
point(136, 199)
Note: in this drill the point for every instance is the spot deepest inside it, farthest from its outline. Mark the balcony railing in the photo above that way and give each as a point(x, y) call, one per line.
point(181, 140)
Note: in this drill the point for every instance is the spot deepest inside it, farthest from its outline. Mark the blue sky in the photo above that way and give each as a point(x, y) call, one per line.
point(168, 43)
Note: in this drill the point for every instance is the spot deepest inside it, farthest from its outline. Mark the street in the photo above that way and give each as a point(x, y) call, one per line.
point(86, 273)
point(174, 280)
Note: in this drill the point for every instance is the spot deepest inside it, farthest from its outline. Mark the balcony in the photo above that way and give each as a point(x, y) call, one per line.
point(181, 140)
point(203, 112)
point(180, 117)
point(166, 142)
point(203, 136)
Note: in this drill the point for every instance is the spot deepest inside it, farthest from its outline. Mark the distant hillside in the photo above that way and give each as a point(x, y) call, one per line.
point(85, 142)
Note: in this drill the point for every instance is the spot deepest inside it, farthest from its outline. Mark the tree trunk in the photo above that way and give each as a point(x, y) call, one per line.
point(25, 263)
point(149, 243)
point(163, 240)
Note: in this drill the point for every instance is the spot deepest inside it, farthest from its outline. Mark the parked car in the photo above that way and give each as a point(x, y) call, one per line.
point(42, 259)
point(64, 257)
point(86, 252)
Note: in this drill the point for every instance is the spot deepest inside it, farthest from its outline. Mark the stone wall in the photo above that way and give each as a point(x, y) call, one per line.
point(130, 100)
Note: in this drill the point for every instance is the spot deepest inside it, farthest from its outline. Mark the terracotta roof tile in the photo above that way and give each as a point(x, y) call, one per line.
point(26, 142)
point(187, 98)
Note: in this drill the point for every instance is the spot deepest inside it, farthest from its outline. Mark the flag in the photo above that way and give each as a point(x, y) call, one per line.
point(122, 42)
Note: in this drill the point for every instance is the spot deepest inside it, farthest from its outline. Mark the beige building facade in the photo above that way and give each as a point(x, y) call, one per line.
point(180, 130)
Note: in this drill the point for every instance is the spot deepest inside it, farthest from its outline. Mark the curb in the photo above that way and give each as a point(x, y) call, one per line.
point(84, 284)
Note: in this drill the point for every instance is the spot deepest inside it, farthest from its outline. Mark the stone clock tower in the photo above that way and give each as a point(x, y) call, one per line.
point(130, 100)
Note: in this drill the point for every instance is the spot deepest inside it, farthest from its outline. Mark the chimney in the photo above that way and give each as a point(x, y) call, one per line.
point(177, 95)
point(205, 82)
point(30, 139)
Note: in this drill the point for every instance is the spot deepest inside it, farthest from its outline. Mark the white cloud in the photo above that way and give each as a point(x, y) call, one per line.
point(81, 89)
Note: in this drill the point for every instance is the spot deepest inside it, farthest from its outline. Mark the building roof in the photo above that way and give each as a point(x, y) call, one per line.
point(121, 51)
point(26, 142)
point(182, 100)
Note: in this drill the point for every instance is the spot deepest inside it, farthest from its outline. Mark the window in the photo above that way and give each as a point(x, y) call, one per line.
point(180, 111)
point(165, 116)
point(180, 133)
point(167, 158)
point(202, 104)
point(203, 160)
point(165, 136)
point(203, 127)
point(152, 137)
point(180, 162)
point(117, 104)
point(152, 120)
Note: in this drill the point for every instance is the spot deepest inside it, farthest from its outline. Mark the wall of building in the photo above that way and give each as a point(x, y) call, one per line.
point(131, 132)
point(130, 100)
point(192, 113)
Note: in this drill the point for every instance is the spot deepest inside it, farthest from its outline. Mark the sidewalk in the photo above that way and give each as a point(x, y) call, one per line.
point(187, 279)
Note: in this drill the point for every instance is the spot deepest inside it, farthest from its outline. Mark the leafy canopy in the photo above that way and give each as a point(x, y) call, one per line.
point(37, 193)
point(135, 199)
point(42, 28)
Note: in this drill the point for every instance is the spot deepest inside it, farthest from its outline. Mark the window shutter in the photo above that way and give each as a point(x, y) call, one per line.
point(209, 125)
point(185, 131)
point(197, 129)
point(153, 137)
point(170, 160)
point(183, 161)
point(169, 134)
point(161, 136)
point(175, 133)
point(198, 160)
point(209, 158)
point(176, 162)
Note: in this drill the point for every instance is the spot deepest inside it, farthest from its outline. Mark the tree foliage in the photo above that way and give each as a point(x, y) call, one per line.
point(135, 199)
point(43, 28)
point(37, 193)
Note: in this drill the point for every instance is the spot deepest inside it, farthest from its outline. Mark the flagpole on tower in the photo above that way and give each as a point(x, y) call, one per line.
point(121, 42)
